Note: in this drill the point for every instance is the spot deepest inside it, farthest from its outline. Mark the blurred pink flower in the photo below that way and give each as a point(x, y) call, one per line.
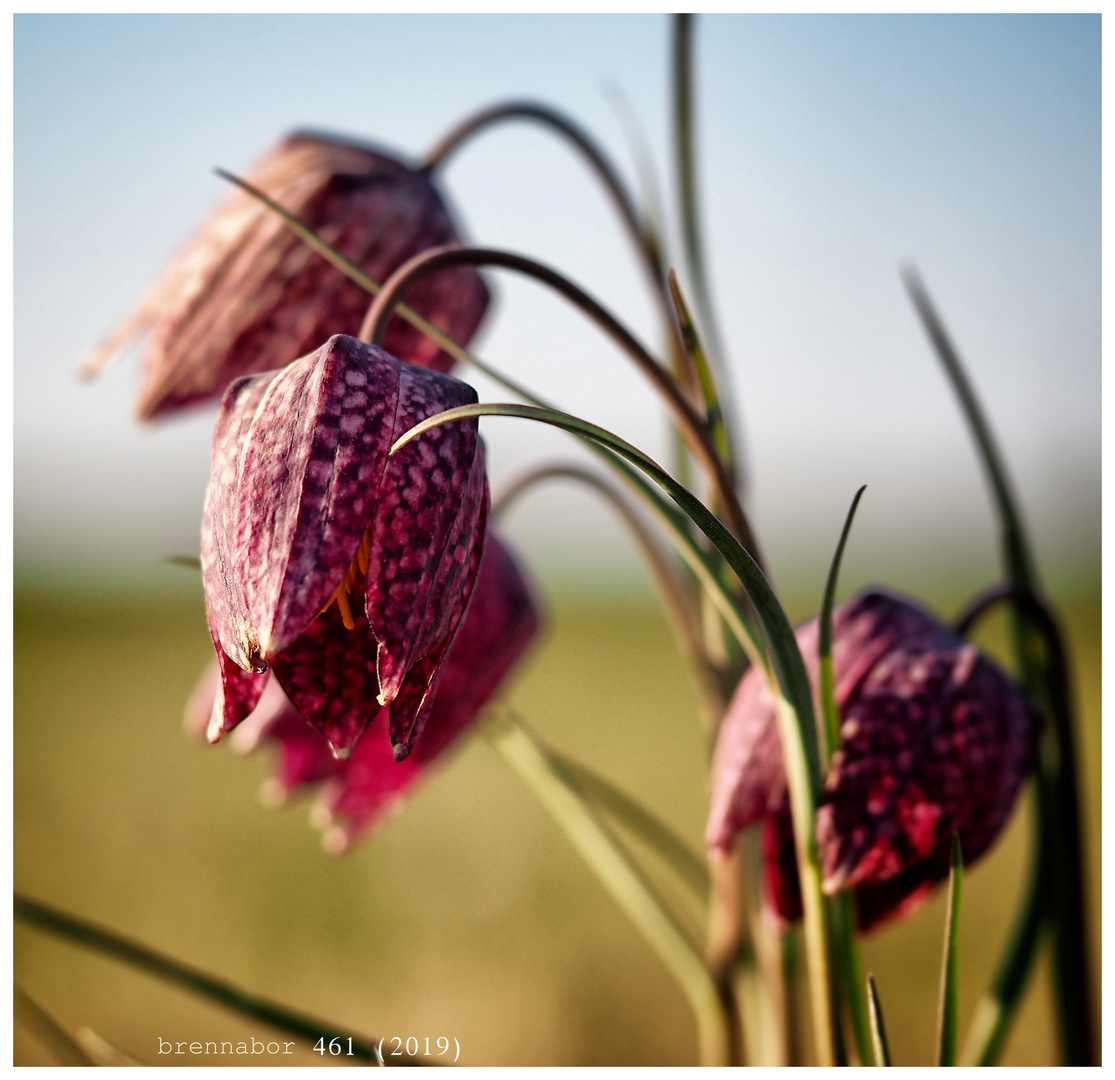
point(934, 740)
point(247, 295)
point(363, 792)
point(344, 571)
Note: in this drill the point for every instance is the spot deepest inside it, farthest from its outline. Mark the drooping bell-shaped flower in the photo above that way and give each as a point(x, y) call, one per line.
point(338, 569)
point(934, 740)
point(363, 792)
point(247, 295)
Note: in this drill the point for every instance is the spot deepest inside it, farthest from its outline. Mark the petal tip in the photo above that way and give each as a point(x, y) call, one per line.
point(335, 841)
point(401, 751)
point(272, 793)
point(341, 753)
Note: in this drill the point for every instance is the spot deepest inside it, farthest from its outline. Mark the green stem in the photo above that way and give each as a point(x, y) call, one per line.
point(1058, 853)
point(686, 161)
point(791, 692)
point(950, 969)
point(189, 978)
point(675, 524)
point(688, 421)
point(625, 884)
point(675, 600)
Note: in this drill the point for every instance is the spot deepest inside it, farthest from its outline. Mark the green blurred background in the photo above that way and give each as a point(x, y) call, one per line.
point(468, 916)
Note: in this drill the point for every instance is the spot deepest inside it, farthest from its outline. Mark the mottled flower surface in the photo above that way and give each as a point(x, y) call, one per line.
point(337, 569)
point(934, 739)
point(247, 295)
point(366, 790)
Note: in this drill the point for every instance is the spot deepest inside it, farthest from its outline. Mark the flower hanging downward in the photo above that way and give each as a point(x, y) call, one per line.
point(363, 792)
point(934, 740)
point(247, 295)
point(341, 569)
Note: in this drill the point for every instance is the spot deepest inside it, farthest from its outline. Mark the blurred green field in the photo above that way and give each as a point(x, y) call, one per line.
point(467, 917)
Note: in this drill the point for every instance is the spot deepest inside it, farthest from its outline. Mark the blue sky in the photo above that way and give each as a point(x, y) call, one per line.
point(831, 150)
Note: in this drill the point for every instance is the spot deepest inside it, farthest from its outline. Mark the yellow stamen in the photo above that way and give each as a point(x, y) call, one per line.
point(353, 582)
point(342, 604)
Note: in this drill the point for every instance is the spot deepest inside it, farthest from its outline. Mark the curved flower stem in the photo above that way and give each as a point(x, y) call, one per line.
point(549, 117)
point(675, 524)
point(791, 690)
point(625, 884)
point(189, 978)
point(1059, 844)
point(692, 425)
point(674, 598)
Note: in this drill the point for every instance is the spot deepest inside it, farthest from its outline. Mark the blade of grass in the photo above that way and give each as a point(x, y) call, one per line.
point(1058, 854)
point(625, 810)
point(189, 978)
point(878, 1028)
point(948, 1021)
point(621, 879)
point(791, 690)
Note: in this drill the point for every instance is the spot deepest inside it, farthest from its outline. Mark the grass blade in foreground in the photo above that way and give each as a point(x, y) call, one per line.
point(792, 693)
point(878, 1028)
point(620, 878)
point(189, 978)
point(950, 971)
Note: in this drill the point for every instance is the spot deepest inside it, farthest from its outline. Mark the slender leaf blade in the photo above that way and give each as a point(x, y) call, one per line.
point(878, 1028)
point(950, 971)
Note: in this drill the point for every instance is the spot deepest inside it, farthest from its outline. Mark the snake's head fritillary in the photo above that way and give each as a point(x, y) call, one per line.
point(934, 740)
point(247, 295)
point(337, 568)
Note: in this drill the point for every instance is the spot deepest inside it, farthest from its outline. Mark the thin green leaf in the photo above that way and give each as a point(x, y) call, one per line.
point(828, 695)
point(47, 1032)
point(792, 692)
point(948, 1021)
point(1057, 854)
point(622, 880)
point(686, 161)
point(626, 811)
point(878, 1028)
point(714, 415)
point(199, 982)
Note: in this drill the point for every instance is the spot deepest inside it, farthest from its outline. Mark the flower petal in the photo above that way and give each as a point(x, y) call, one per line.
point(310, 466)
point(247, 295)
point(329, 673)
point(426, 500)
point(936, 741)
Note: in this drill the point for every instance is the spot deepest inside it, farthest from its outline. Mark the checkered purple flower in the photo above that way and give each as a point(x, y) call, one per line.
point(247, 295)
point(934, 740)
point(336, 569)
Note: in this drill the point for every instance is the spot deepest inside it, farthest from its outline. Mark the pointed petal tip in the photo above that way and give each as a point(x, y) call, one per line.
point(216, 733)
point(321, 817)
point(401, 751)
point(341, 753)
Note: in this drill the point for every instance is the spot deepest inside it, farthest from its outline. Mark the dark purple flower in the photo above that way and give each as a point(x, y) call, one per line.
point(364, 791)
point(934, 740)
point(344, 571)
point(246, 295)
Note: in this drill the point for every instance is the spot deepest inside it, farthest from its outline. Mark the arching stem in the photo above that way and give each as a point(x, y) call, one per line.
point(687, 419)
point(674, 598)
